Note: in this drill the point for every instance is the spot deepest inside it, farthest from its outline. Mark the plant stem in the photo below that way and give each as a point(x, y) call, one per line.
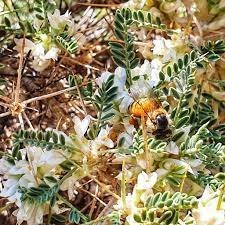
point(220, 199)
point(183, 180)
point(128, 70)
point(49, 215)
point(147, 153)
point(178, 108)
point(123, 186)
point(17, 91)
point(7, 206)
point(83, 217)
point(48, 95)
point(96, 220)
point(69, 174)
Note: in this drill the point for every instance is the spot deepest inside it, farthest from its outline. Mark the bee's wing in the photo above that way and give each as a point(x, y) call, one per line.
point(140, 89)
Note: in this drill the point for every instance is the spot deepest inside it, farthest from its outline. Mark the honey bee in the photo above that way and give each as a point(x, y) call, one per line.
point(151, 111)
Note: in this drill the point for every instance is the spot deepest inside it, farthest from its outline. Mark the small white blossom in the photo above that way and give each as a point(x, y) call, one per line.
point(81, 126)
point(31, 213)
point(103, 139)
point(28, 45)
point(172, 148)
point(41, 60)
point(127, 134)
point(58, 21)
point(146, 181)
point(164, 47)
point(69, 185)
point(207, 213)
point(129, 204)
point(128, 174)
point(28, 174)
point(168, 164)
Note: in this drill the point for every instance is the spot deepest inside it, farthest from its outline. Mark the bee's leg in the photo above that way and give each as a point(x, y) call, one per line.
point(150, 126)
point(133, 120)
point(147, 152)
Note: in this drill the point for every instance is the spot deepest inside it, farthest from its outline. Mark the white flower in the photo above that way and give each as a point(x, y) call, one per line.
point(103, 139)
point(52, 54)
point(81, 126)
point(58, 21)
point(169, 164)
point(41, 59)
point(19, 175)
point(128, 139)
point(126, 102)
point(196, 165)
point(129, 204)
point(172, 148)
point(156, 67)
point(140, 89)
point(27, 174)
point(144, 69)
point(128, 174)
point(207, 213)
point(31, 213)
point(135, 4)
point(165, 48)
point(103, 78)
point(146, 181)
point(69, 185)
point(28, 45)
point(148, 78)
point(49, 160)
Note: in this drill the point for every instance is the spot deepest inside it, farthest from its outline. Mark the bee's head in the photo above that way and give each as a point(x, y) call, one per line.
point(161, 122)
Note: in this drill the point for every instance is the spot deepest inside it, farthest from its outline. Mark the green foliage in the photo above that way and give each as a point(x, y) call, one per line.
point(212, 155)
point(41, 7)
point(25, 14)
point(204, 180)
point(40, 195)
point(74, 217)
point(174, 174)
point(115, 218)
point(202, 109)
point(154, 145)
point(164, 208)
point(138, 144)
point(145, 19)
point(193, 144)
point(67, 43)
point(123, 53)
point(2, 82)
point(213, 49)
point(181, 76)
point(103, 102)
point(48, 140)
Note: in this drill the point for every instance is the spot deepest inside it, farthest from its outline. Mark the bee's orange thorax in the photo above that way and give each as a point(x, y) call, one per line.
point(143, 107)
